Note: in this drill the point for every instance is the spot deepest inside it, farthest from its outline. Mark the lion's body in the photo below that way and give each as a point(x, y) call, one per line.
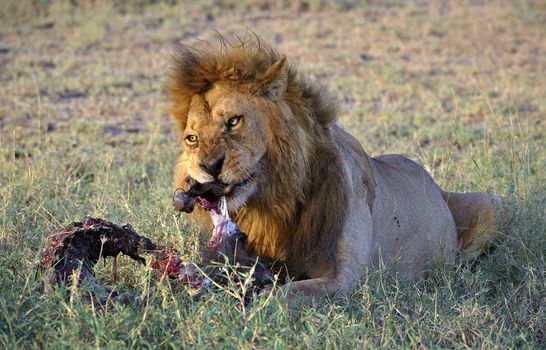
point(410, 235)
point(303, 189)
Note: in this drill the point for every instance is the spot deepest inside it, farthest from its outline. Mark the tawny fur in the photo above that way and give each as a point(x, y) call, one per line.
point(476, 217)
point(308, 195)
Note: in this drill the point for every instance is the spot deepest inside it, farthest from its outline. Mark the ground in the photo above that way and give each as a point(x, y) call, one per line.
point(455, 85)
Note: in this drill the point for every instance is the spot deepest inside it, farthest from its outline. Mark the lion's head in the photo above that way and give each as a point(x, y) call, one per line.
point(226, 139)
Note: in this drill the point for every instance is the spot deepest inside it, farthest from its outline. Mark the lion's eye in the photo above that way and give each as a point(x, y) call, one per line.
point(233, 121)
point(191, 139)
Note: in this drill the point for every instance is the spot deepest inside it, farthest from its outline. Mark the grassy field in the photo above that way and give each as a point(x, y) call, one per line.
point(457, 86)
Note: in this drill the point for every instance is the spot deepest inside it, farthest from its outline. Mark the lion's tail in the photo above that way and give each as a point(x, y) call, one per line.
point(478, 217)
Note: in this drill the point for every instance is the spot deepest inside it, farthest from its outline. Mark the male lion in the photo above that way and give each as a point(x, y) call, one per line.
point(302, 187)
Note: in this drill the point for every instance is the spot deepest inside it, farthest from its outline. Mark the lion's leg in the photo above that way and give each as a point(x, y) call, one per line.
point(323, 286)
point(315, 287)
point(478, 216)
point(353, 255)
point(348, 271)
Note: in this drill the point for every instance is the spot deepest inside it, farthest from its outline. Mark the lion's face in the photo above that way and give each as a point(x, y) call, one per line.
point(225, 140)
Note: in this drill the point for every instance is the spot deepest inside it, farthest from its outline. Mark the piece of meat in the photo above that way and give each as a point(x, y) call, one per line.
point(226, 245)
point(74, 251)
point(81, 244)
point(211, 191)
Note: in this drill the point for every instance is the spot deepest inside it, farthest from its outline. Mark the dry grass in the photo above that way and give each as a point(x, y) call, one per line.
point(83, 130)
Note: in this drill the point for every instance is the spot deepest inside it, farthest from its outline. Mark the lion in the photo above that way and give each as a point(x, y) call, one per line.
point(299, 185)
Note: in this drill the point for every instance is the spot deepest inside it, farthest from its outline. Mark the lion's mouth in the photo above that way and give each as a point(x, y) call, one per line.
point(208, 194)
point(248, 185)
point(204, 194)
point(242, 189)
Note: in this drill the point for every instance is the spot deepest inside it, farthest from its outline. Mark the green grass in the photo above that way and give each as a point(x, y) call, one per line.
point(83, 131)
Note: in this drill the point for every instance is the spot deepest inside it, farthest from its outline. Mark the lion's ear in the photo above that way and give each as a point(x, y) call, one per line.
point(273, 83)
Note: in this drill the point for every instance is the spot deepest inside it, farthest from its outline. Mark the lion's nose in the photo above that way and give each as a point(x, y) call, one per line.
point(214, 167)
